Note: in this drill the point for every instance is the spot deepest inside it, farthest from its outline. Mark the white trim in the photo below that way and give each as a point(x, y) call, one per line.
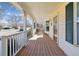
point(57, 35)
point(13, 45)
point(10, 46)
point(17, 51)
point(17, 5)
point(74, 23)
point(58, 27)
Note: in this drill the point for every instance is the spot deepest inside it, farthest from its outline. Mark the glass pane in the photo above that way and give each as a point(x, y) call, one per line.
point(47, 25)
point(78, 33)
point(78, 10)
point(69, 23)
point(47, 28)
point(78, 23)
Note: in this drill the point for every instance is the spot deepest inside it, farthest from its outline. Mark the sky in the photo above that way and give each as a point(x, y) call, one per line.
point(8, 10)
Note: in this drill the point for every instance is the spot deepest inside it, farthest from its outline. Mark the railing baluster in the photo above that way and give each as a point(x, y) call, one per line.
point(13, 43)
point(10, 45)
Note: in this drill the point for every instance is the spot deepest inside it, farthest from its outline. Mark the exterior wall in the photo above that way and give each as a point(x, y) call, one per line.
point(51, 28)
point(68, 48)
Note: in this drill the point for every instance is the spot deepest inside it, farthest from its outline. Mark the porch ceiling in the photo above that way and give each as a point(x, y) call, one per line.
point(40, 10)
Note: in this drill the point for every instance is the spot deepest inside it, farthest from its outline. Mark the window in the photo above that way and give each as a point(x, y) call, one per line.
point(78, 33)
point(69, 22)
point(47, 25)
point(47, 28)
point(77, 23)
point(34, 25)
point(78, 10)
point(55, 28)
point(55, 25)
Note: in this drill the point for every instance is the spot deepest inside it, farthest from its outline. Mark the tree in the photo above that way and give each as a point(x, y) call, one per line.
point(13, 20)
point(2, 13)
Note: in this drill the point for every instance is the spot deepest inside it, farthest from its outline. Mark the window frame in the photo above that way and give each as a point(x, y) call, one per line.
point(75, 21)
point(72, 41)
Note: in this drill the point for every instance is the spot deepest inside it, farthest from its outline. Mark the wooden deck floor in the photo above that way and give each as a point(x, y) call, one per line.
point(41, 47)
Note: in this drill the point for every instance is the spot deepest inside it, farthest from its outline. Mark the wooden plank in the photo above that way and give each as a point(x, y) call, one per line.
point(41, 47)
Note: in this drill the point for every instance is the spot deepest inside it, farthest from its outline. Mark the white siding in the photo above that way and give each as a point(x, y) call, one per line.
point(68, 48)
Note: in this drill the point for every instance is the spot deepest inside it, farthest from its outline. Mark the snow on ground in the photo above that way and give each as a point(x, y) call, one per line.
point(35, 37)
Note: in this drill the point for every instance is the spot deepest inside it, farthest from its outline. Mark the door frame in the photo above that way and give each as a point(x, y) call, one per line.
point(57, 35)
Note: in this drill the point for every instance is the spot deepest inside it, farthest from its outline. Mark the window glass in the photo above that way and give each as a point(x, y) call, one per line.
point(78, 33)
point(47, 25)
point(78, 23)
point(77, 10)
point(69, 23)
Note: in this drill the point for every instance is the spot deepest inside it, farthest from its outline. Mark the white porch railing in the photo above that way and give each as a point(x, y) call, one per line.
point(13, 43)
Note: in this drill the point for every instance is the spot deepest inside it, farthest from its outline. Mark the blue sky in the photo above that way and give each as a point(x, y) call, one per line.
point(9, 8)
point(10, 11)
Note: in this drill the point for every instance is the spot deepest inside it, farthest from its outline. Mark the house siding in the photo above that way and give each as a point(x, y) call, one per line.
point(68, 48)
